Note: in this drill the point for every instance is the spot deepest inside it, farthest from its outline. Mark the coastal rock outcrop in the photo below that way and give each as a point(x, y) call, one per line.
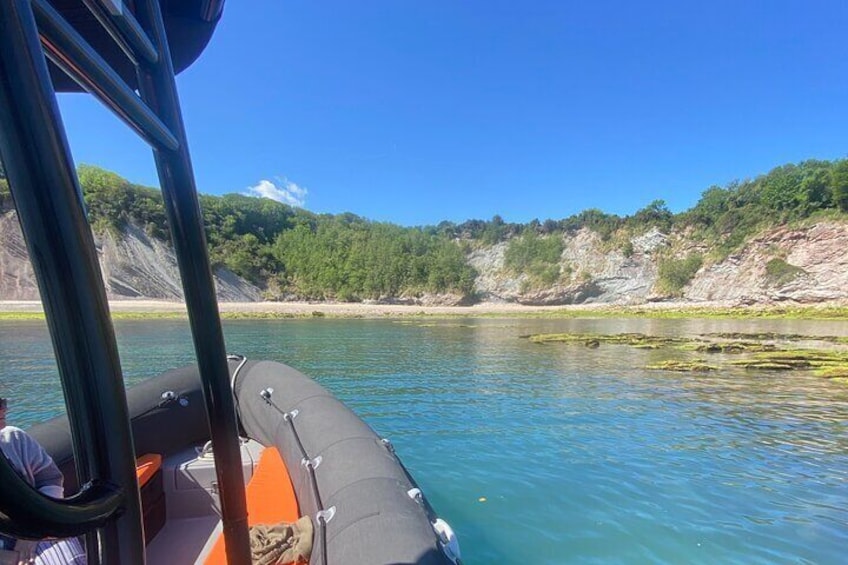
point(590, 272)
point(134, 266)
point(803, 264)
point(813, 259)
point(17, 280)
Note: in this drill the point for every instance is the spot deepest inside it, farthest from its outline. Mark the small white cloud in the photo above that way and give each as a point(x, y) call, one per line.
point(283, 190)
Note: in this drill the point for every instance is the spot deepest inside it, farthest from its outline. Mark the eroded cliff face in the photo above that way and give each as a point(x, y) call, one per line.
point(133, 266)
point(591, 273)
point(813, 260)
point(17, 281)
point(819, 252)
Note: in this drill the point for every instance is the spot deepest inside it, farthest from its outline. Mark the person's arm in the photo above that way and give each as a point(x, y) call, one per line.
point(32, 461)
point(47, 476)
point(38, 469)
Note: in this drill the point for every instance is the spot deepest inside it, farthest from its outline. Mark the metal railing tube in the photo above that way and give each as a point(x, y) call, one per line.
point(211, 9)
point(158, 89)
point(26, 513)
point(71, 53)
point(45, 190)
point(125, 30)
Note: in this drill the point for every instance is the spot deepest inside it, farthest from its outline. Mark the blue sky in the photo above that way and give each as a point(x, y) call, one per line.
point(417, 112)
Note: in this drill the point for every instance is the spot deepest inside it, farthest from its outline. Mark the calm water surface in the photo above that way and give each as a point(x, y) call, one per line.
point(580, 454)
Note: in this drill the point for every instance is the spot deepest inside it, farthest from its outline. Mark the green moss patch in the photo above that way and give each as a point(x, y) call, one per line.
point(694, 366)
point(754, 353)
point(773, 336)
point(837, 373)
point(780, 273)
point(734, 347)
point(639, 340)
point(772, 366)
point(827, 363)
point(809, 355)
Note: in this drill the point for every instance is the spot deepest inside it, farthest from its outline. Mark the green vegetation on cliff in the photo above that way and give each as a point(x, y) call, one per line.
point(347, 258)
point(535, 255)
point(293, 252)
point(779, 272)
point(727, 217)
point(674, 274)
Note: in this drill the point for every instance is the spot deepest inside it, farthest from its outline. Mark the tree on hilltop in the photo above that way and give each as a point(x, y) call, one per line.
point(839, 184)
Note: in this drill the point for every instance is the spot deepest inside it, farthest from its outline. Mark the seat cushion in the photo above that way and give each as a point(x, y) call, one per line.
point(146, 466)
point(270, 499)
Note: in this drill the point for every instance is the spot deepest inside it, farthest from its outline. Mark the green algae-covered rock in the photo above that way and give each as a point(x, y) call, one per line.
point(695, 366)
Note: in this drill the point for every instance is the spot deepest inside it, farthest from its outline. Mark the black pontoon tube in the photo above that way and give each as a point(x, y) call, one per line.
point(366, 507)
point(310, 467)
point(159, 91)
point(44, 187)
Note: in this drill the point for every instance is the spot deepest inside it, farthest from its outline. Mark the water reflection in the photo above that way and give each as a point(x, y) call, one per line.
point(582, 454)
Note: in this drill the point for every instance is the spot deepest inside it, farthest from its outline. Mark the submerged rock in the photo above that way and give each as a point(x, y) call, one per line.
point(696, 366)
point(756, 355)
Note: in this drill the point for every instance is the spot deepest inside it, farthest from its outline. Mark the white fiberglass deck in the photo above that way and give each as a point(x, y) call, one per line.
point(193, 522)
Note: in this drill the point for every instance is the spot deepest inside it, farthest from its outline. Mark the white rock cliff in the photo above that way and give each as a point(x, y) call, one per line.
point(137, 266)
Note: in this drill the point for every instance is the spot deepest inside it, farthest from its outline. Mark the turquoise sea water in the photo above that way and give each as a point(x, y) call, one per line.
point(581, 454)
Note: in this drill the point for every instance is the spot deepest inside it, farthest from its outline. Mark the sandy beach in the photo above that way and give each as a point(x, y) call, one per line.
point(165, 308)
point(306, 308)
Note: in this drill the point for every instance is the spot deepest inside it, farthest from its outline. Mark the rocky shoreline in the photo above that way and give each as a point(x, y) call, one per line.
point(793, 266)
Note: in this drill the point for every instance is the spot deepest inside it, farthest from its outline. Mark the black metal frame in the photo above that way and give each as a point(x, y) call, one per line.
point(47, 196)
point(69, 51)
